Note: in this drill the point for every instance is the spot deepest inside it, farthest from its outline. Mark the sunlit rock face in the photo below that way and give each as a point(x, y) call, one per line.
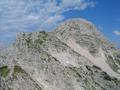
point(75, 56)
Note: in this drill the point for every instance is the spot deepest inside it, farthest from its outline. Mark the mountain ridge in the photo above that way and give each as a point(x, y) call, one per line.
point(64, 59)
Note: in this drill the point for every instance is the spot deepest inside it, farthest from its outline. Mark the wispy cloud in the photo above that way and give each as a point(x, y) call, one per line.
point(52, 21)
point(27, 15)
point(116, 32)
point(76, 4)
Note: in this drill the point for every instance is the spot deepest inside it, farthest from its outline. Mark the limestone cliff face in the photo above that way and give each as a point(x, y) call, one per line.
point(75, 56)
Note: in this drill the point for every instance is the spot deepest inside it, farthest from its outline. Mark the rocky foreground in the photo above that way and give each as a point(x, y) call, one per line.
point(75, 56)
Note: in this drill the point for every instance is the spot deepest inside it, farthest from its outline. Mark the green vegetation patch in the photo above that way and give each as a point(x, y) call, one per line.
point(117, 57)
point(4, 71)
point(29, 40)
point(18, 69)
point(41, 37)
point(112, 63)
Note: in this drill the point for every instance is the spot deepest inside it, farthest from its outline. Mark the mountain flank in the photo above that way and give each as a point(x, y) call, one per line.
point(74, 56)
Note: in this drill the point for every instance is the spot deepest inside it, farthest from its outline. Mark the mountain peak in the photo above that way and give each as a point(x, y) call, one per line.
point(78, 21)
point(73, 57)
point(82, 30)
point(77, 24)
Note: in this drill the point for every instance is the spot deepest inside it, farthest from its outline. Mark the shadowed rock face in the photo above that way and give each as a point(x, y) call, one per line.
point(75, 56)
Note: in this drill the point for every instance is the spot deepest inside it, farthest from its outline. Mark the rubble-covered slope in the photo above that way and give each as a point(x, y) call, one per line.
point(65, 59)
point(84, 38)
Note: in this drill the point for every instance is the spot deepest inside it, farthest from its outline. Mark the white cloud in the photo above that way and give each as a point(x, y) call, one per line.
point(32, 17)
point(77, 4)
point(116, 32)
point(52, 21)
point(27, 15)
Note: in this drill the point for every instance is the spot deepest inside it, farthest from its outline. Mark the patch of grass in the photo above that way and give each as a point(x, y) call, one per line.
point(29, 40)
point(41, 38)
point(25, 75)
point(4, 71)
point(18, 69)
point(112, 63)
point(117, 57)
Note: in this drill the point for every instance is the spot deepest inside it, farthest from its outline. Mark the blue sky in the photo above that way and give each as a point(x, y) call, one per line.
point(33, 15)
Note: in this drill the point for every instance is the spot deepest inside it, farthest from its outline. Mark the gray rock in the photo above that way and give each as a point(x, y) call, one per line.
point(75, 56)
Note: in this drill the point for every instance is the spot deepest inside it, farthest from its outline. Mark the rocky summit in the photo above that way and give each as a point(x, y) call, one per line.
point(75, 56)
